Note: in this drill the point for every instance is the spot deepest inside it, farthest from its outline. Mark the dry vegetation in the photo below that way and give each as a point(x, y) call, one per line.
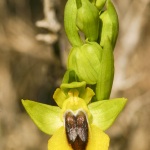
point(33, 52)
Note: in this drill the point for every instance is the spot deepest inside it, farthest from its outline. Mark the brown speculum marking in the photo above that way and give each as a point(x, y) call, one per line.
point(76, 129)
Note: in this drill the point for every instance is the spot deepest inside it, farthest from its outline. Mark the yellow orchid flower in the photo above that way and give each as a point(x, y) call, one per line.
point(76, 124)
point(78, 133)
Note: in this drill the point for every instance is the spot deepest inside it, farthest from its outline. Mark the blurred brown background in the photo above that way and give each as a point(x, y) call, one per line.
point(33, 53)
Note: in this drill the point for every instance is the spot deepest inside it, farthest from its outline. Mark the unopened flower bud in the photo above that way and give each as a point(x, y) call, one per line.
point(70, 23)
point(88, 19)
point(85, 61)
point(109, 25)
point(100, 4)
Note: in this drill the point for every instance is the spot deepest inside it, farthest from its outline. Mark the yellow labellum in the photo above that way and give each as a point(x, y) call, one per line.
point(97, 140)
point(59, 141)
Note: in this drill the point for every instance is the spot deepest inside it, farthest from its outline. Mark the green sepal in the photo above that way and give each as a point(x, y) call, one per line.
point(100, 4)
point(109, 25)
point(46, 117)
point(85, 61)
point(70, 76)
point(106, 73)
point(105, 112)
point(87, 19)
point(70, 23)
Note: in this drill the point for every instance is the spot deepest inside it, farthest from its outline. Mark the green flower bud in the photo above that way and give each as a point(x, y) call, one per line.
point(106, 74)
point(109, 25)
point(70, 23)
point(100, 4)
point(88, 19)
point(85, 61)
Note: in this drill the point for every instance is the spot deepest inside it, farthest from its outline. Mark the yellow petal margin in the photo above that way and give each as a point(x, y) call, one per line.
point(59, 141)
point(97, 140)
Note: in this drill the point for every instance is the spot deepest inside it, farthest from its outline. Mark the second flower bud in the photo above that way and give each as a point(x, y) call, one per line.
point(85, 61)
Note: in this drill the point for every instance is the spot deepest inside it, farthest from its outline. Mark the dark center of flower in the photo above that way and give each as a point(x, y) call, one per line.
point(76, 129)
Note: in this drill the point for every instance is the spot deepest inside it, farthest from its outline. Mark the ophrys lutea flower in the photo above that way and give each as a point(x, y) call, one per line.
point(75, 124)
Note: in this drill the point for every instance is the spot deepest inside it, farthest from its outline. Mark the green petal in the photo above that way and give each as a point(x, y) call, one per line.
point(105, 112)
point(59, 97)
point(97, 140)
point(59, 141)
point(46, 117)
point(87, 95)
